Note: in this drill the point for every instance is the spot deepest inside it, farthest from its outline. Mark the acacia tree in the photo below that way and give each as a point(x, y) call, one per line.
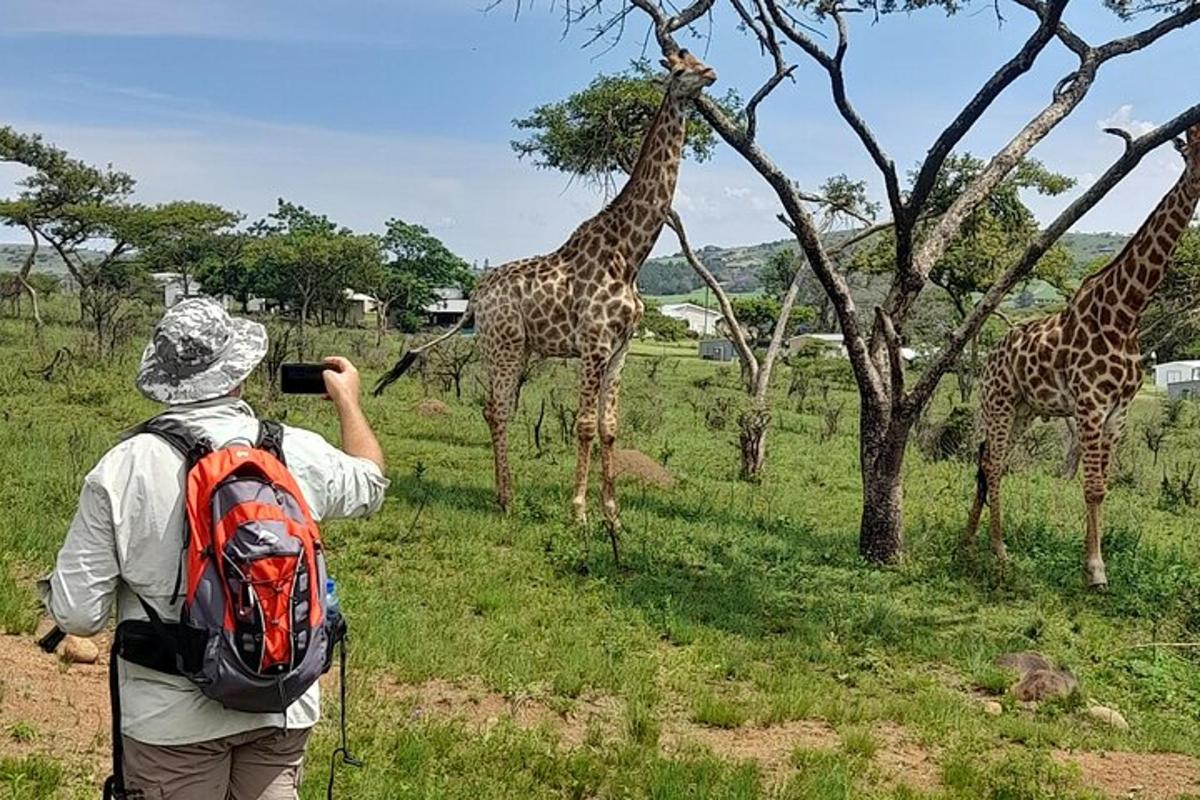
point(415, 264)
point(889, 404)
point(190, 235)
point(596, 134)
point(304, 260)
point(992, 236)
point(56, 182)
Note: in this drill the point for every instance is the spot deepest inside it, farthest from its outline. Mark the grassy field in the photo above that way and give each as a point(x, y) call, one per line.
point(742, 650)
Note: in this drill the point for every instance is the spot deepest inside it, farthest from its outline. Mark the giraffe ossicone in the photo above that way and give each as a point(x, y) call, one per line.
point(581, 301)
point(1083, 363)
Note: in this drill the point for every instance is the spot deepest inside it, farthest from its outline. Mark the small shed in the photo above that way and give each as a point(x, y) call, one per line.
point(1176, 372)
point(1184, 389)
point(718, 350)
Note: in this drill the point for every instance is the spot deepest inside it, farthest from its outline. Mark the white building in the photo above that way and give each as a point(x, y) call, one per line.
point(833, 344)
point(171, 284)
point(448, 308)
point(1176, 372)
point(700, 320)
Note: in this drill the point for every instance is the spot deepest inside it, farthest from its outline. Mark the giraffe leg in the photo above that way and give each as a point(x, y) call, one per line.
point(592, 367)
point(609, 401)
point(503, 373)
point(1097, 437)
point(1002, 421)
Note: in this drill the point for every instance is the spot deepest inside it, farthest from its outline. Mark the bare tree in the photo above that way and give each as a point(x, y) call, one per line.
point(889, 405)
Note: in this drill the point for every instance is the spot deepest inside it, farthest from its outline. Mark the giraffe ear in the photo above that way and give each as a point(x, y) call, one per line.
point(665, 64)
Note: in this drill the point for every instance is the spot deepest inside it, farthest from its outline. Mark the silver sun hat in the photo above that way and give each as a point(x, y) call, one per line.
point(198, 352)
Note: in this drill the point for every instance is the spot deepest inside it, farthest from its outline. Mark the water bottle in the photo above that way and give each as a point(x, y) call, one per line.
point(332, 606)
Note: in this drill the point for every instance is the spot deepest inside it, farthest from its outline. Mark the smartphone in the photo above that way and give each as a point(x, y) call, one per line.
point(302, 378)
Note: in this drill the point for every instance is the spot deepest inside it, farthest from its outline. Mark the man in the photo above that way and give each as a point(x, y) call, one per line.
point(124, 543)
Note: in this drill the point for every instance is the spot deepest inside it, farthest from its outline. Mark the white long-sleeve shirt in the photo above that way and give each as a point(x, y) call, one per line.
point(125, 542)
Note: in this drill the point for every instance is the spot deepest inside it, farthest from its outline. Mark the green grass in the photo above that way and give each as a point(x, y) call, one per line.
point(736, 605)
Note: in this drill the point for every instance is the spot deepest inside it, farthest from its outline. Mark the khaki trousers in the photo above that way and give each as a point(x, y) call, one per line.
point(263, 764)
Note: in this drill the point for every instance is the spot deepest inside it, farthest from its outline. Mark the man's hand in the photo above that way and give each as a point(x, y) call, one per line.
point(343, 387)
point(341, 381)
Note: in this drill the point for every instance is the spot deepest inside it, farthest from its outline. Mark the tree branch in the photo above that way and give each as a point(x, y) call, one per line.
point(1017, 66)
point(833, 66)
point(1132, 156)
point(736, 334)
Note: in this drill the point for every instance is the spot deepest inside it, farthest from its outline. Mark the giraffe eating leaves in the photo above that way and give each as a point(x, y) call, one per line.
point(581, 301)
point(1083, 363)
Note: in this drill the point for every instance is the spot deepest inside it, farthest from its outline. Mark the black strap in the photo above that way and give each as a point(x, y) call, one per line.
point(270, 438)
point(50, 642)
point(344, 749)
point(192, 448)
point(179, 436)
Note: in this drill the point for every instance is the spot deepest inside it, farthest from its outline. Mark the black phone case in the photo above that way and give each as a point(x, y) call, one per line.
point(302, 378)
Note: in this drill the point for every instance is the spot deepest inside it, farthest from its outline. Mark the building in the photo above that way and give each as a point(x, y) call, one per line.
point(1175, 372)
point(700, 320)
point(447, 309)
point(358, 306)
point(1184, 389)
point(718, 350)
point(831, 345)
point(171, 284)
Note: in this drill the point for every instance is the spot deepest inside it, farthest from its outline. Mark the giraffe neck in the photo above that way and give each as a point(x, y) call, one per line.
point(647, 195)
point(1134, 275)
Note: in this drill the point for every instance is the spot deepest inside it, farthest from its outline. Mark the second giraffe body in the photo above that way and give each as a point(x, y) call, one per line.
point(581, 301)
point(1083, 363)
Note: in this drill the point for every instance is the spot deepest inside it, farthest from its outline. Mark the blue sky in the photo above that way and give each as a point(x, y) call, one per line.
point(368, 109)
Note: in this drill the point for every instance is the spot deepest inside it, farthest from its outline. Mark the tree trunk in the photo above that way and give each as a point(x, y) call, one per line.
point(881, 538)
point(302, 344)
point(752, 439)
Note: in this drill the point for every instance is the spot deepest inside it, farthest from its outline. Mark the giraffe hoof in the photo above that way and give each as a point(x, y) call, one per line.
point(1097, 580)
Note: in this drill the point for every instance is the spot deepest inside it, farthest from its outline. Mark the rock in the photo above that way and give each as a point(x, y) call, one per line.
point(1043, 684)
point(641, 467)
point(1108, 716)
point(1024, 662)
point(430, 407)
point(79, 651)
point(992, 708)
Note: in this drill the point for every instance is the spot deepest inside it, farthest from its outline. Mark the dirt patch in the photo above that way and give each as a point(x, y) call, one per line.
point(638, 465)
point(431, 408)
point(899, 760)
point(49, 707)
point(903, 760)
point(481, 710)
point(771, 746)
point(1141, 775)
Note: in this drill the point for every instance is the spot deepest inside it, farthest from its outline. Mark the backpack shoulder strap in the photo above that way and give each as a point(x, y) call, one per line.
point(270, 438)
point(176, 434)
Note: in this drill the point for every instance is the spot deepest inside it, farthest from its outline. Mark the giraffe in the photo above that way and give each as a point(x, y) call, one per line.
point(1082, 363)
point(581, 301)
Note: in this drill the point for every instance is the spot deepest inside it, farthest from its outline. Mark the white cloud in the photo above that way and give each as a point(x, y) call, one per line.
point(1123, 119)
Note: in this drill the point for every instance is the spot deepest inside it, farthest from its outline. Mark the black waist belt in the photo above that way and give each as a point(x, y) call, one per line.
point(150, 645)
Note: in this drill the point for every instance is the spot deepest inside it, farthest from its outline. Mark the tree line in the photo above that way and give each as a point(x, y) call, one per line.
point(294, 259)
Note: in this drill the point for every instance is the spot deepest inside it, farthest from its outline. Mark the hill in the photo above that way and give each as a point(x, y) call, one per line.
point(12, 256)
point(739, 267)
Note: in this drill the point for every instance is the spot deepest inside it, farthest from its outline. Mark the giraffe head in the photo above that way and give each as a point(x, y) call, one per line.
point(688, 74)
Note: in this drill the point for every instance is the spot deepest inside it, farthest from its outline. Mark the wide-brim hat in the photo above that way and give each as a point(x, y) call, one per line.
point(198, 352)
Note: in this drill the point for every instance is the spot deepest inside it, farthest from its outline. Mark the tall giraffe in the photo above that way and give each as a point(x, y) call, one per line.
point(1083, 363)
point(581, 301)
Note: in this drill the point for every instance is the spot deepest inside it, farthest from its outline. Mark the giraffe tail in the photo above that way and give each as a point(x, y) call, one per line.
point(412, 356)
point(981, 489)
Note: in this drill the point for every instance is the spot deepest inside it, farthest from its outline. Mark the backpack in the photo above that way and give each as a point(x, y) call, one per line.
point(256, 629)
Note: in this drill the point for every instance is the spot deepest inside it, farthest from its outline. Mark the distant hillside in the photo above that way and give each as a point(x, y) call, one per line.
point(12, 256)
point(739, 267)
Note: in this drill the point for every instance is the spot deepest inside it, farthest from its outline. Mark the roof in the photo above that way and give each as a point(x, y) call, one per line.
point(359, 297)
point(1189, 363)
point(689, 307)
point(446, 307)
